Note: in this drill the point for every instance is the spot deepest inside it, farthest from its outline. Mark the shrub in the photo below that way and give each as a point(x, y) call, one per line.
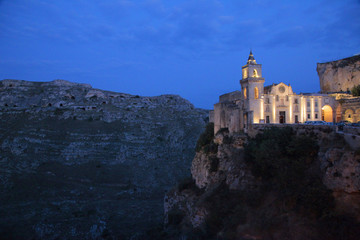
point(205, 140)
point(186, 183)
point(280, 157)
point(355, 91)
point(282, 160)
point(175, 216)
point(214, 164)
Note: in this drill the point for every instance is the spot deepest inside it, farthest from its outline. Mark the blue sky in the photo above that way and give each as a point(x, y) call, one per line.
point(192, 48)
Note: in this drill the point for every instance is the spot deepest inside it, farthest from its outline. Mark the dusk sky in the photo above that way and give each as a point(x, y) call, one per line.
point(191, 48)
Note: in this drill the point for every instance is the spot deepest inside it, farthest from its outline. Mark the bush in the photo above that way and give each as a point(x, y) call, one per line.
point(214, 164)
point(175, 216)
point(205, 140)
point(280, 157)
point(186, 183)
point(355, 91)
point(282, 160)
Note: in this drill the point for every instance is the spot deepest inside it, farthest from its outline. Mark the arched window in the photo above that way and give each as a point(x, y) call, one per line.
point(256, 93)
point(255, 74)
point(245, 93)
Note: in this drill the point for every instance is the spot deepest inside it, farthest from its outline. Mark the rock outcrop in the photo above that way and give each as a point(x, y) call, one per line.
point(340, 75)
point(314, 196)
point(82, 163)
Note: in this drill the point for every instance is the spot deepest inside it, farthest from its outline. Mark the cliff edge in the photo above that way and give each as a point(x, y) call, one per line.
point(339, 76)
point(299, 182)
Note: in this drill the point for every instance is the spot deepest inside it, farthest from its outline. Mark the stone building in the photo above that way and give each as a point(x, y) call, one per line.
point(337, 78)
point(275, 104)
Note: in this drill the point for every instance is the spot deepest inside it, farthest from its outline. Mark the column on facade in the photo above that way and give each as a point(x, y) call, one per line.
point(290, 109)
point(302, 109)
point(274, 110)
point(261, 108)
point(312, 108)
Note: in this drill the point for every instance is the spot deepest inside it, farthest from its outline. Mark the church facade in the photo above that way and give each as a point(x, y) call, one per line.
point(273, 104)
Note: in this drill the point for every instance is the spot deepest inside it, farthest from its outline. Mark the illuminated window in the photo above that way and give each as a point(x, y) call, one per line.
point(255, 74)
point(245, 73)
point(256, 93)
point(245, 93)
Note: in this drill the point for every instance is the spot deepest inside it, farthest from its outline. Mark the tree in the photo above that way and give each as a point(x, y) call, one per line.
point(355, 91)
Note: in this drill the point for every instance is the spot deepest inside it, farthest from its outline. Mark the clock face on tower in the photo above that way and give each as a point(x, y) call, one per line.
point(281, 89)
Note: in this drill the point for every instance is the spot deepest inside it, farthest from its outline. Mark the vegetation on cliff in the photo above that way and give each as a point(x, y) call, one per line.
point(205, 141)
point(285, 200)
point(355, 91)
point(283, 160)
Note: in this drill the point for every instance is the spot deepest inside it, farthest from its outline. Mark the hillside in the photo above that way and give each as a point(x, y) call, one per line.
point(288, 183)
point(83, 163)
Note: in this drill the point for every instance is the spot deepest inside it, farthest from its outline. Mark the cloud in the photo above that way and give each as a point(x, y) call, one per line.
point(203, 26)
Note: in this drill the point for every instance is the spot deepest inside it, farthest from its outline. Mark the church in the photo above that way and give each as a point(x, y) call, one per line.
point(272, 104)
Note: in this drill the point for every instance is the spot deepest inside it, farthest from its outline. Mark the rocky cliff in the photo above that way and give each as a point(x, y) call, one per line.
point(340, 75)
point(82, 163)
point(285, 183)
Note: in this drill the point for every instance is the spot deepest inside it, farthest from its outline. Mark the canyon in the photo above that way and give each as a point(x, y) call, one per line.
point(83, 163)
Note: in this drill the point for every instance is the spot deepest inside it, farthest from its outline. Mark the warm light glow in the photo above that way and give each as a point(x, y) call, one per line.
point(245, 73)
point(349, 115)
point(327, 113)
point(274, 110)
point(312, 109)
point(290, 110)
point(245, 93)
point(261, 108)
point(256, 93)
point(302, 109)
point(255, 74)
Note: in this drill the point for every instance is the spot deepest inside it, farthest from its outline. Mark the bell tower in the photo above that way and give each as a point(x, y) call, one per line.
point(252, 87)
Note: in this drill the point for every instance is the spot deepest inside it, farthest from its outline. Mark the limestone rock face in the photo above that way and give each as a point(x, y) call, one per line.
point(340, 75)
point(226, 165)
point(226, 195)
point(211, 173)
point(343, 171)
point(82, 163)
